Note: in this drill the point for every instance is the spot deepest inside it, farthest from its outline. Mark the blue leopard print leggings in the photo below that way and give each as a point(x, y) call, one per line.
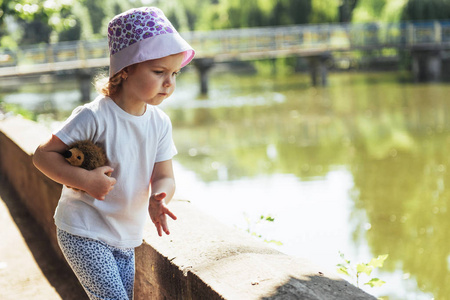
point(105, 272)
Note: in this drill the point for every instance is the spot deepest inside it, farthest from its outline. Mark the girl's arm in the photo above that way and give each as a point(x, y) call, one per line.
point(163, 188)
point(48, 159)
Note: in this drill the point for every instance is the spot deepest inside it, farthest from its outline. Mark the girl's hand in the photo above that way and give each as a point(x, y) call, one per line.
point(49, 160)
point(99, 184)
point(158, 211)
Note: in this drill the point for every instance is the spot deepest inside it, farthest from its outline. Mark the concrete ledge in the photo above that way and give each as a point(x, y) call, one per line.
point(202, 258)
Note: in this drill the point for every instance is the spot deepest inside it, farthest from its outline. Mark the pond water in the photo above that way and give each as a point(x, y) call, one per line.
point(359, 167)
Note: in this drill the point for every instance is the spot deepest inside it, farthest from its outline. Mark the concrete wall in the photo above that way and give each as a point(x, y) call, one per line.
point(18, 140)
point(202, 258)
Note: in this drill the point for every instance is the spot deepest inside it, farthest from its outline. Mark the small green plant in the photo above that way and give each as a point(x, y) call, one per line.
point(261, 219)
point(355, 271)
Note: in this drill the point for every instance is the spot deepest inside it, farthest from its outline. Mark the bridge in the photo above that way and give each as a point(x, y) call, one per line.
point(426, 41)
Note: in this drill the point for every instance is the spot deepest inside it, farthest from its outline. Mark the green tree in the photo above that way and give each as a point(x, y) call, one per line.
point(287, 12)
point(346, 9)
point(96, 13)
point(324, 11)
point(369, 11)
point(37, 19)
point(46, 21)
point(397, 10)
point(426, 10)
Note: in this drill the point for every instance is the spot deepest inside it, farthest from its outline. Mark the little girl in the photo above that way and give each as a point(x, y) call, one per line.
point(99, 228)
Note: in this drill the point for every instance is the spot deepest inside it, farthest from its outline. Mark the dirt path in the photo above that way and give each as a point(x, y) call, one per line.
point(29, 267)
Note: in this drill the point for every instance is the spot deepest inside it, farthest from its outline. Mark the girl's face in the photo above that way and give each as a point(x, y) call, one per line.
point(152, 81)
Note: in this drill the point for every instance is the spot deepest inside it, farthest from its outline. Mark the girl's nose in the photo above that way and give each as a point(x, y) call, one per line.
point(169, 81)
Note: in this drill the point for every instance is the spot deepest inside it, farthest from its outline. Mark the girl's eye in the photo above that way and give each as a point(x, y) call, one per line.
point(175, 74)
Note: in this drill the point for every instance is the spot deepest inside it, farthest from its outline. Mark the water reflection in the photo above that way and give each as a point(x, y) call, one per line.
point(392, 137)
point(406, 202)
point(360, 166)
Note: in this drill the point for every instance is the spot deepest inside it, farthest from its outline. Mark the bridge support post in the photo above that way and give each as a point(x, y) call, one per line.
point(85, 82)
point(203, 66)
point(318, 68)
point(426, 65)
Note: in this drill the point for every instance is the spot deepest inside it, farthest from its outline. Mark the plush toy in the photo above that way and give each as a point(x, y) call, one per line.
point(87, 155)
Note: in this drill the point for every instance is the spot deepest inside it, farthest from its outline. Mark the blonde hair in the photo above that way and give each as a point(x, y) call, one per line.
point(109, 86)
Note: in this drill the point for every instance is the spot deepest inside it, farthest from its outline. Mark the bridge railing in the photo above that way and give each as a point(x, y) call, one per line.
point(324, 37)
point(249, 43)
point(54, 53)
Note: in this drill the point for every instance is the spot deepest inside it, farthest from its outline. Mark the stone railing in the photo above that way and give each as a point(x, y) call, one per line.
point(201, 259)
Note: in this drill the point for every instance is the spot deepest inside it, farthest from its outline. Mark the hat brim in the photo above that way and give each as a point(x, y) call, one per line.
point(152, 48)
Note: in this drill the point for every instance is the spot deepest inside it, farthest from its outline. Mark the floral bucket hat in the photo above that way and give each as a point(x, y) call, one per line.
point(143, 34)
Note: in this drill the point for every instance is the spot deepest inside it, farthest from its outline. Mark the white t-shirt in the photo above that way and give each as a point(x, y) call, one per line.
point(133, 145)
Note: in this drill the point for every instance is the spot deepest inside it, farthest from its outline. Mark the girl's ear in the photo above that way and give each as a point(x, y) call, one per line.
point(124, 74)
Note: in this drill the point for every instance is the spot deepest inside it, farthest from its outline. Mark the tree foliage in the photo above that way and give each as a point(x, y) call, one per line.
point(426, 10)
point(225, 14)
point(400, 10)
point(35, 21)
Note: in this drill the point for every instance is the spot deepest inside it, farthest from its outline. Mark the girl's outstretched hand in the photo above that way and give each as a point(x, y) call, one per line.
point(158, 211)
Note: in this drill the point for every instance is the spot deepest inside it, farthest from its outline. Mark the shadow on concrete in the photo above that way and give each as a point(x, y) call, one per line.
point(318, 288)
point(57, 272)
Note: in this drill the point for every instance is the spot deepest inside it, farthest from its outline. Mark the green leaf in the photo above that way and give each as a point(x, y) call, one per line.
point(364, 268)
point(255, 234)
point(343, 257)
point(278, 243)
point(379, 261)
point(375, 282)
point(343, 270)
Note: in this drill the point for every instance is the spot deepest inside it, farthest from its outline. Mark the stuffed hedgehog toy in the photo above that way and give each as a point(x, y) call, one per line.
point(87, 155)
